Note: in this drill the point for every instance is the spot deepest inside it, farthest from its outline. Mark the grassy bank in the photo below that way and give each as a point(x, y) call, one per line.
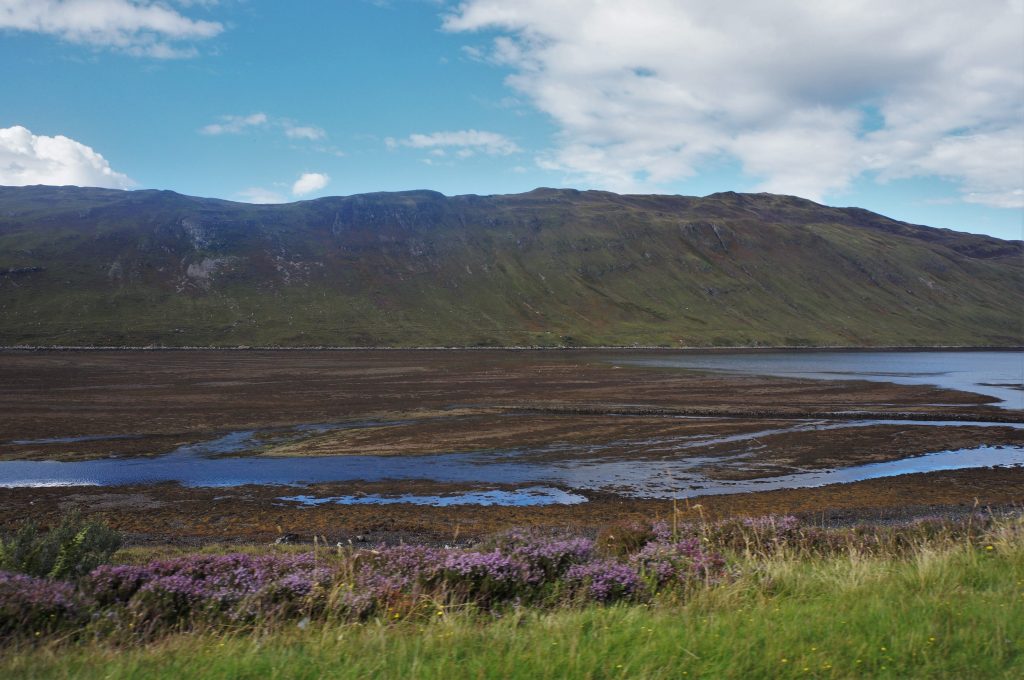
point(945, 609)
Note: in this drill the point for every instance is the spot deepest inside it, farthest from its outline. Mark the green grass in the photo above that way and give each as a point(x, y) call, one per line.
point(941, 612)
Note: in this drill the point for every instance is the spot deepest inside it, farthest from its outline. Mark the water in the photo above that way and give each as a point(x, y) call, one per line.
point(675, 472)
point(666, 467)
point(531, 495)
point(994, 374)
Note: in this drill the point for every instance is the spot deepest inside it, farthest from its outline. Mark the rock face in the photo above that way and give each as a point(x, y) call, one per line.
point(549, 267)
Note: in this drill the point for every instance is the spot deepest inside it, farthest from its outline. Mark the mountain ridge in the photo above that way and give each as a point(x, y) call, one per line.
point(549, 267)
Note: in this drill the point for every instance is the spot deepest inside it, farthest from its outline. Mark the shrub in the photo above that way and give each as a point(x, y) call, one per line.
point(387, 572)
point(236, 587)
point(625, 538)
point(70, 550)
point(522, 567)
point(681, 562)
point(483, 578)
point(547, 555)
point(29, 604)
point(604, 581)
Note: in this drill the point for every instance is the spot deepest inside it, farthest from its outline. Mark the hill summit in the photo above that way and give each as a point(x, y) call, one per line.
point(549, 267)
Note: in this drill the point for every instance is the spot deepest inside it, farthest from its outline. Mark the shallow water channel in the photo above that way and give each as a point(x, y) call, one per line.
point(669, 468)
point(994, 374)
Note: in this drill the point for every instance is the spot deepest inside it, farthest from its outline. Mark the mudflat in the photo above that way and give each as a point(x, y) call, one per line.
point(549, 406)
point(157, 399)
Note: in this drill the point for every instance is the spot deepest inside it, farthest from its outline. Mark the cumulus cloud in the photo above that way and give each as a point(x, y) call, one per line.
point(463, 142)
point(309, 182)
point(234, 125)
point(137, 27)
point(807, 97)
point(989, 165)
point(27, 159)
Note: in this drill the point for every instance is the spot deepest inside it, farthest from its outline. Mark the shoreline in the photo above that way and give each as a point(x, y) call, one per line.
point(512, 348)
point(171, 514)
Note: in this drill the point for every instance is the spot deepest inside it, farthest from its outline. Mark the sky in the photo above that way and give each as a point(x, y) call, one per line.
point(914, 110)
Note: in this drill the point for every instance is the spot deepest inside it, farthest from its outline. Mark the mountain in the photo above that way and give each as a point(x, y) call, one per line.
point(549, 267)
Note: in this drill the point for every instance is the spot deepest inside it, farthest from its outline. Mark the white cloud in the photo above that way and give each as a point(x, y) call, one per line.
point(303, 132)
point(261, 195)
point(805, 96)
point(989, 165)
point(27, 159)
point(465, 142)
point(137, 27)
point(309, 182)
point(815, 152)
point(233, 125)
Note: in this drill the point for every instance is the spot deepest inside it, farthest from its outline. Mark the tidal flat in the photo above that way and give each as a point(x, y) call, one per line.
point(191, 447)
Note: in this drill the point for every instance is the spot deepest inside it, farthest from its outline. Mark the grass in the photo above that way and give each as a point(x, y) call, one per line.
point(938, 611)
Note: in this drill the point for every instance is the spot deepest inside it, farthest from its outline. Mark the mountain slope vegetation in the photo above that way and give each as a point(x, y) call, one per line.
point(550, 267)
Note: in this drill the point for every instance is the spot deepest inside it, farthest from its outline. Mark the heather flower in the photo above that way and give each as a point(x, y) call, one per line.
point(492, 565)
point(400, 568)
point(389, 578)
point(36, 604)
point(547, 556)
point(679, 562)
point(406, 560)
point(237, 586)
point(111, 584)
point(661, 531)
point(483, 577)
point(604, 581)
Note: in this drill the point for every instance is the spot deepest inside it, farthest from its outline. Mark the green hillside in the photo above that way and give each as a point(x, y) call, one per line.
point(549, 267)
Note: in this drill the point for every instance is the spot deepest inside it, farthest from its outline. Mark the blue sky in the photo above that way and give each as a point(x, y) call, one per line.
point(912, 112)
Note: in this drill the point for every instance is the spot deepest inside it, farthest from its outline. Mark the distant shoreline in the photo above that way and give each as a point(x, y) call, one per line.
point(510, 348)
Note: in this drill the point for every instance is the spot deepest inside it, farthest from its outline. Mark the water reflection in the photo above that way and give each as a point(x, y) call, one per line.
point(994, 374)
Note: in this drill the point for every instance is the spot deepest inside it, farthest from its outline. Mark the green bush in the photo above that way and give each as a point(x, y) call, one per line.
point(71, 549)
